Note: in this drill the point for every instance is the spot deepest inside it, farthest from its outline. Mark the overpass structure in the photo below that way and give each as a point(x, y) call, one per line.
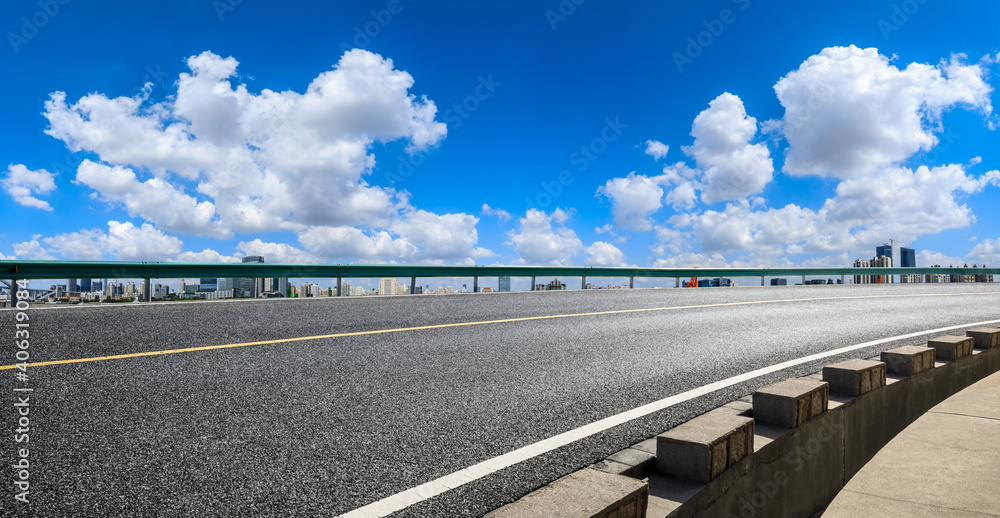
point(15, 270)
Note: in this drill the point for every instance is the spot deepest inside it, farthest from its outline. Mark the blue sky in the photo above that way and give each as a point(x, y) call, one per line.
point(721, 133)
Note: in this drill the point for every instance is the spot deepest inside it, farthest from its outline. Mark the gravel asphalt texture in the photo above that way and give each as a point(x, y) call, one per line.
point(321, 427)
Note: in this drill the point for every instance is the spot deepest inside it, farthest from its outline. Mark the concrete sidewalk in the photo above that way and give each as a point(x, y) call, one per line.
point(947, 463)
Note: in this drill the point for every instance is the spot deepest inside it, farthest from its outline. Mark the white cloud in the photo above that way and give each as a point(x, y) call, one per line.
point(656, 149)
point(32, 250)
point(930, 258)
point(122, 241)
point(985, 253)
point(154, 200)
point(346, 242)
point(633, 199)
point(206, 256)
point(905, 203)
point(538, 241)
point(732, 167)
point(267, 161)
point(606, 228)
point(849, 112)
point(449, 237)
point(21, 183)
point(501, 214)
point(604, 254)
point(276, 252)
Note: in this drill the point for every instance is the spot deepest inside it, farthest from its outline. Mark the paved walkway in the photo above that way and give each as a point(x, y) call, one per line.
point(947, 463)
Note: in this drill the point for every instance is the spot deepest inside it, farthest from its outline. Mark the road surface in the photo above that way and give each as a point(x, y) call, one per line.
point(352, 400)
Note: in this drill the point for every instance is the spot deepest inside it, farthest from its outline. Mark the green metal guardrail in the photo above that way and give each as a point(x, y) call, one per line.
point(172, 270)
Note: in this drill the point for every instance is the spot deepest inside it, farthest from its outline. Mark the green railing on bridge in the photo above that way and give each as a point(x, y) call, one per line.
point(14, 269)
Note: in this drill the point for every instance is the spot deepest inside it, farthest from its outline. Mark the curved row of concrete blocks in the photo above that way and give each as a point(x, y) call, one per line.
point(784, 451)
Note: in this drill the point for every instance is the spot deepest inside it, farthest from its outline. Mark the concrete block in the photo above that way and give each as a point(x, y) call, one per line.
point(629, 462)
point(791, 402)
point(984, 337)
point(951, 348)
point(909, 360)
point(854, 377)
point(702, 448)
point(587, 493)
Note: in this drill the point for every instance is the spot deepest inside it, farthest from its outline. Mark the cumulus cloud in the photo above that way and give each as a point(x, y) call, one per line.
point(207, 256)
point(849, 112)
point(633, 199)
point(604, 254)
point(122, 241)
point(544, 239)
point(22, 184)
point(732, 167)
point(985, 253)
point(154, 200)
point(656, 149)
point(267, 161)
point(500, 214)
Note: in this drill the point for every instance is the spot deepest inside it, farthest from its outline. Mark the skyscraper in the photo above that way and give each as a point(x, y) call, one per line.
point(71, 285)
point(86, 285)
point(908, 259)
point(254, 286)
point(884, 250)
point(504, 284)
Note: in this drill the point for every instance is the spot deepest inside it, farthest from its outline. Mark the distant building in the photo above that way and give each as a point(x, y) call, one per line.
point(71, 285)
point(779, 282)
point(86, 285)
point(208, 285)
point(908, 259)
point(882, 261)
point(862, 279)
point(487, 289)
point(553, 285)
point(388, 286)
point(504, 284)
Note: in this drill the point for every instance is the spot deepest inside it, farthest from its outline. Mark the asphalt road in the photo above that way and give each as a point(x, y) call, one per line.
point(327, 425)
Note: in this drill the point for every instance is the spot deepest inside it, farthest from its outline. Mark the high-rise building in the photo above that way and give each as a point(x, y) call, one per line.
point(908, 259)
point(883, 251)
point(504, 284)
point(86, 285)
point(862, 279)
point(253, 286)
point(71, 285)
point(97, 286)
point(882, 261)
point(779, 282)
point(388, 286)
point(208, 284)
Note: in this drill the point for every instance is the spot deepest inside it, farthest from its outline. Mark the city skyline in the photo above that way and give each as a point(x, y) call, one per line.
point(702, 137)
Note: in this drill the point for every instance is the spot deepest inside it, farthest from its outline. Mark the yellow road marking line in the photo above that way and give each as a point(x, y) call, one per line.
point(463, 324)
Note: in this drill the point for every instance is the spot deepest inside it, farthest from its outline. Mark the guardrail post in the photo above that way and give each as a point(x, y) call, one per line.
point(631, 282)
point(678, 279)
point(475, 284)
point(13, 293)
point(340, 287)
point(761, 280)
point(532, 283)
point(146, 295)
point(583, 282)
point(413, 285)
point(803, 280)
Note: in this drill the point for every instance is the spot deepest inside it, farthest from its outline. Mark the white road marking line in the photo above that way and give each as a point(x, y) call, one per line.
point(427, 490)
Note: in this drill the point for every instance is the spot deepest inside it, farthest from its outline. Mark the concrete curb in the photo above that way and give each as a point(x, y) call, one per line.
point(816, 433)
